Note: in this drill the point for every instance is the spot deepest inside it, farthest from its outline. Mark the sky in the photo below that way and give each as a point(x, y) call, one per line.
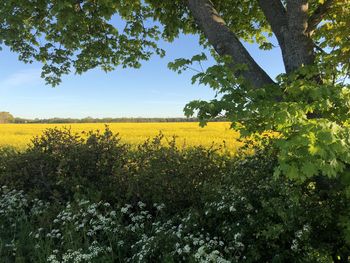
point(151, 91)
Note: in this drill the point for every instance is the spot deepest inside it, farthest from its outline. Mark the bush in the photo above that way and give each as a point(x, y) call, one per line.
point(91, 198)
point(6, 154)
point(158, 173)
point(276, 219)
point(61, 165)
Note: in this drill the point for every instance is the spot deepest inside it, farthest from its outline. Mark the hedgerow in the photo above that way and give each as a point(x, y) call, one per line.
point(91, 198)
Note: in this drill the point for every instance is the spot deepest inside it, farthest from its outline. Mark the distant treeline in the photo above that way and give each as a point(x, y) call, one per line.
point(107, 120)
point(6, 117)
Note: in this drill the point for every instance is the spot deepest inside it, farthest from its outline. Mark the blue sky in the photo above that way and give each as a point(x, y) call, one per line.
point(152, 91)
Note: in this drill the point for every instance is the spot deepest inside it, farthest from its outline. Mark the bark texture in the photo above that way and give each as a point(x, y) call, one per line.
point(299, 49)
point(291, 28)
point(276, 15)
point(226, 42)
point(290, 21)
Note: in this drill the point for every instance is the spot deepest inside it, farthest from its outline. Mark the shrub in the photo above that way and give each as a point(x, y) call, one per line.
point(90, 198)
point(162, 173)
point(277, 219)
point(61, 165)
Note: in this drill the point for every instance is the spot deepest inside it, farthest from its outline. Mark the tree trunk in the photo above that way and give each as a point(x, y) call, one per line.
point(225, 42)
point(299, 48)
point(291, 23)
point(291, 30)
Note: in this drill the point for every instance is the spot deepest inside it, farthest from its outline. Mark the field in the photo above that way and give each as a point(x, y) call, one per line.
point(187, 134)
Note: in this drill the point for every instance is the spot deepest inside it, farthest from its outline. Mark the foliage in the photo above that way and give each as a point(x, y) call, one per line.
point(60, 154)
point(6, 117)
point(67, 35)
point(177, 178)
point(310, 116)
point(179, 206)
point(59, 165)
point(308, 105)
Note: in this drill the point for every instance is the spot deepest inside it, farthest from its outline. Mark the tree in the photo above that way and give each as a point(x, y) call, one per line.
point(6, 117)
point(308, 104)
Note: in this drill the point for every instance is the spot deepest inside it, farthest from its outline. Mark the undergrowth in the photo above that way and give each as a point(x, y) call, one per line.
point(90, 198)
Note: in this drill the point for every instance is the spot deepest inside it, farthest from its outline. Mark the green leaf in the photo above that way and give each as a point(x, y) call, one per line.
point(309, 169)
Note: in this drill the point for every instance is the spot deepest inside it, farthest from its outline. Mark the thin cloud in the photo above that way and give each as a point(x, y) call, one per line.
point(21, 78)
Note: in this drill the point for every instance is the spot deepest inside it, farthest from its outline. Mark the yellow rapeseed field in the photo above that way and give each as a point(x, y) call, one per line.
point(187, 134)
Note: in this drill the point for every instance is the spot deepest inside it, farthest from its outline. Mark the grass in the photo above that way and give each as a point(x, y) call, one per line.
point(187, 134)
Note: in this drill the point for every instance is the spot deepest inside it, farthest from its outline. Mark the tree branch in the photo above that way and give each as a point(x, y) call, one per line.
point(318, 15)
point(299, 47)
point(225, 42)
point(275, 14)
point(297, 15)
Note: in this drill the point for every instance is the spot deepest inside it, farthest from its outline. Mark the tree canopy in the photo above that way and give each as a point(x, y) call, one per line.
point(308, 104)
point(6, 117)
